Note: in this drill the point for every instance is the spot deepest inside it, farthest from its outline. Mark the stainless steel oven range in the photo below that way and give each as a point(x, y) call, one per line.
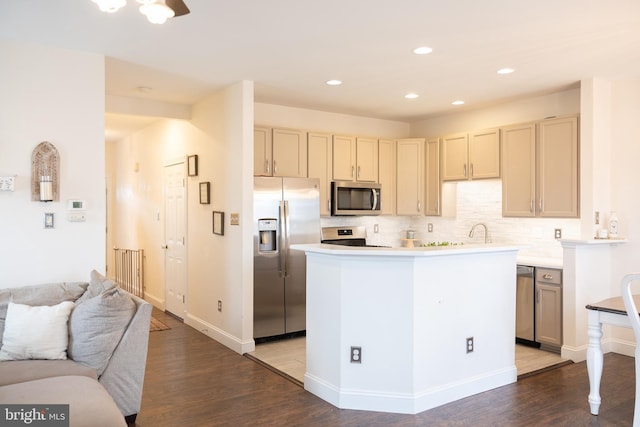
point(346, 236)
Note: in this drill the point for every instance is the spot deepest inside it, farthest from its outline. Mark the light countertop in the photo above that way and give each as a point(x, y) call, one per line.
point(405, 252)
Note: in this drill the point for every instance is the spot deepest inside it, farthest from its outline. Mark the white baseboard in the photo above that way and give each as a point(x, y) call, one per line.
point(609, 345)
point(223, 337)
point(155, 301)
point(407, 403)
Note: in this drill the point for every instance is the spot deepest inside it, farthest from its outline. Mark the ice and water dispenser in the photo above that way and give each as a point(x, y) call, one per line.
point(267, 234)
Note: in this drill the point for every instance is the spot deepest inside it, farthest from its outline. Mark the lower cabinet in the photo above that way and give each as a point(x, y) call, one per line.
point(549, 308)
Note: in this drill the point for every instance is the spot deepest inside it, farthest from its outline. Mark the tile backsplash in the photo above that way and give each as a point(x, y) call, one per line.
point(465, 204)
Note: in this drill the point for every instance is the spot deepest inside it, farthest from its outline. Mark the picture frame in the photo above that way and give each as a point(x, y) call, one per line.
point(218, 223)
point(192, 165)
point(205, 193)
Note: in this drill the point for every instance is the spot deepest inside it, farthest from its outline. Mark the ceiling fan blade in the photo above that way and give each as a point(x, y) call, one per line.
point(178, 7)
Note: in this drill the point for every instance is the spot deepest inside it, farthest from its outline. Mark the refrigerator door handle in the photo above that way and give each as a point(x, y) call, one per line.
point(287, 238)
point(282, 241)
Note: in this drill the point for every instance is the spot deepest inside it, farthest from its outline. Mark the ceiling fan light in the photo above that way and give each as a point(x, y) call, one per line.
point(110, 6)
point(157, 13)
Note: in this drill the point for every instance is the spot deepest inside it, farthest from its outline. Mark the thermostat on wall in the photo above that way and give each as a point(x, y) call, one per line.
point(76, 205)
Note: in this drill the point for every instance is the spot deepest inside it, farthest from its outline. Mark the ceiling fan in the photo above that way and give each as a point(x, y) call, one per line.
point(156, 11)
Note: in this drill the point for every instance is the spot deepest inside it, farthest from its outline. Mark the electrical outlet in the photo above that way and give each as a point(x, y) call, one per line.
point(219, 305)
point(470, 345)
point(356, 354)
point(430, 228)
point(597, 217)
point(558, 233)
point(234, 218)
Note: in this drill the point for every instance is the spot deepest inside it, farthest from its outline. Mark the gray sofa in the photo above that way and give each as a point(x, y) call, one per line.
point(102, 373)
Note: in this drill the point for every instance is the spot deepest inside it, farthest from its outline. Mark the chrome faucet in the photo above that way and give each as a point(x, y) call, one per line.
point(486, 231)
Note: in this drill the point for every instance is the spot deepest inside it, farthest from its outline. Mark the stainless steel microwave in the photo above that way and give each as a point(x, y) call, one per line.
point(355, 198)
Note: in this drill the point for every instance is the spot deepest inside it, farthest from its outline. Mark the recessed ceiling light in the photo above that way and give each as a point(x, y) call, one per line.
point(423, 50)
point(411, 96)
point(334, 82)
point(458, 102)
point(505, 70)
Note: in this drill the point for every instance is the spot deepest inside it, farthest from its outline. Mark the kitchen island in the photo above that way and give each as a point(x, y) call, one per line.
point(411, 312)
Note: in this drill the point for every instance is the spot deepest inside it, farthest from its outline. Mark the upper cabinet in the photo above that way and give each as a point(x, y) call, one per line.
point(432, 185)
point(262, 147)
point(344, 158)
point(387, 176)
point(320, 166)
point(410, 176)
point(471, 156)
point(455, 157)
point(484, 154)
point(279, 152)
point(367, 159)
point(518, 170)
point(355, 159)
point(540, 169)
point(558, 168)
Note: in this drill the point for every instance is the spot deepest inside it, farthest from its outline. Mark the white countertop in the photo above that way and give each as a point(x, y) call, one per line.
point(535, 261)
point(405, 252)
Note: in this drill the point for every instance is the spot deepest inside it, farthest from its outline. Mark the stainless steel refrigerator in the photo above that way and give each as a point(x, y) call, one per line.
point(286, 211)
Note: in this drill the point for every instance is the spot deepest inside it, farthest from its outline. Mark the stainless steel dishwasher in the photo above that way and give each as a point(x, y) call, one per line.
point(525, 305)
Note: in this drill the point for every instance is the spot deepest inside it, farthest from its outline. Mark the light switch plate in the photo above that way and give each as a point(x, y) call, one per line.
point(234, 218)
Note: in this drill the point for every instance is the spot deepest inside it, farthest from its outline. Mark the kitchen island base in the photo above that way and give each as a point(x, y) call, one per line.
point(411, 312)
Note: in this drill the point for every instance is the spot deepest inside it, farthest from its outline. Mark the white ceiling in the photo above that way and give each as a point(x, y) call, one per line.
point(289, 48)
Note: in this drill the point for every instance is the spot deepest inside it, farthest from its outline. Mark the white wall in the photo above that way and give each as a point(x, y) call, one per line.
point(219, 267)
point(57, 96)
point(523, 110)
point(322, 121)
point(625, 176)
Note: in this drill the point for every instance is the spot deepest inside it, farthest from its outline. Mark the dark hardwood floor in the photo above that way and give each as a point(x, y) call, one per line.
point(191, 380)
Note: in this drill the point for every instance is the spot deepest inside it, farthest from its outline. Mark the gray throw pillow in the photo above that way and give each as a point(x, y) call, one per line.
point(96, 327)
point(97, 285)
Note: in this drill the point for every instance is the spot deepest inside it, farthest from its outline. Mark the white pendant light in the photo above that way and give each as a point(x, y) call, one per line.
point(110, 6)
point(156, 11)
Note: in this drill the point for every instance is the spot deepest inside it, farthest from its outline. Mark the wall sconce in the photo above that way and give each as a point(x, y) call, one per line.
point(45, 164)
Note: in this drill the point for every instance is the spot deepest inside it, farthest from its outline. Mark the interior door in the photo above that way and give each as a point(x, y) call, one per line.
point(175, 238)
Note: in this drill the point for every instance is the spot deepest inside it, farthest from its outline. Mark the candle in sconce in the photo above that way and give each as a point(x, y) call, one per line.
point(46, 189)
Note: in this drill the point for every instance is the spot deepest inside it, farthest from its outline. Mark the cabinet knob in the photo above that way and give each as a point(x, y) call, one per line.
point(547, 276)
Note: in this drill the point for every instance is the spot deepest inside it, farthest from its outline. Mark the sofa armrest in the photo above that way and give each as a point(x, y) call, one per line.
point(124, 375)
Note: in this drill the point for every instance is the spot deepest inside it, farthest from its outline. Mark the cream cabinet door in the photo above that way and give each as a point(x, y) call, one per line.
point(289, 153)
point(344, 158)
point(549, 314)
point(387, 176)
point(410, 176)
point(454, 159)
point(320, 162)
point(367, 159)
point(558, 168)
point(432, 197)
point(519, 170)
point(262, 151)
point(484, 154)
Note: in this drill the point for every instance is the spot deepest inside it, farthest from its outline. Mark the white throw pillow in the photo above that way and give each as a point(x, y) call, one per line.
point(36, 332)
